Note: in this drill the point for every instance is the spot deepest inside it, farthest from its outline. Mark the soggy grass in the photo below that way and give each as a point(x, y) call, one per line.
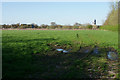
point(32, 54)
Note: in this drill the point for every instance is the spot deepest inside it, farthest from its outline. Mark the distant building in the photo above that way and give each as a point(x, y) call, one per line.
point(94, 26)
point(94, 21)
point(33, 26)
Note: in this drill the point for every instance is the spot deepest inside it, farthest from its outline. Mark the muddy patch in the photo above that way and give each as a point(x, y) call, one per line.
point(91, 61)
point(110, 52)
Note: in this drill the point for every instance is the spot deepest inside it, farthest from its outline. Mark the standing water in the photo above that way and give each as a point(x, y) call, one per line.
point(112, 55)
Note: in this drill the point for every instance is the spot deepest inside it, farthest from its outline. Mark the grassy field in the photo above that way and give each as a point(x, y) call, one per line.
point(110, 27)
point(32, 54)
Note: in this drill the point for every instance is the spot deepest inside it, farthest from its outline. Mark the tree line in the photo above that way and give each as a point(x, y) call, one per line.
point(52, 26)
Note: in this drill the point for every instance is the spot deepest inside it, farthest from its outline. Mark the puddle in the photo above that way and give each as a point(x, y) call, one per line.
point(96, 51)
point(86, 51)
point(112, 55)
point(59, 49)
point(64, 51)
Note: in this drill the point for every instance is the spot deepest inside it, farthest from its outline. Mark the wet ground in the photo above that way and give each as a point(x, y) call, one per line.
point(87, 62)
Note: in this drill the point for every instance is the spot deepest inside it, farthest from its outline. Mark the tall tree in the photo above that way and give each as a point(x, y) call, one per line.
point(112, 18)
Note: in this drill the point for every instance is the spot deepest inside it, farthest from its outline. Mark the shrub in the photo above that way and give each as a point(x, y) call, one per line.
point(76, 27)
point(22, 27)
point(67, 27)
point(89, 26)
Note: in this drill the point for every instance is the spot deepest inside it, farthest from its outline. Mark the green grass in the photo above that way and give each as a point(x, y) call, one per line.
point(26, 53)
point(110, 27)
